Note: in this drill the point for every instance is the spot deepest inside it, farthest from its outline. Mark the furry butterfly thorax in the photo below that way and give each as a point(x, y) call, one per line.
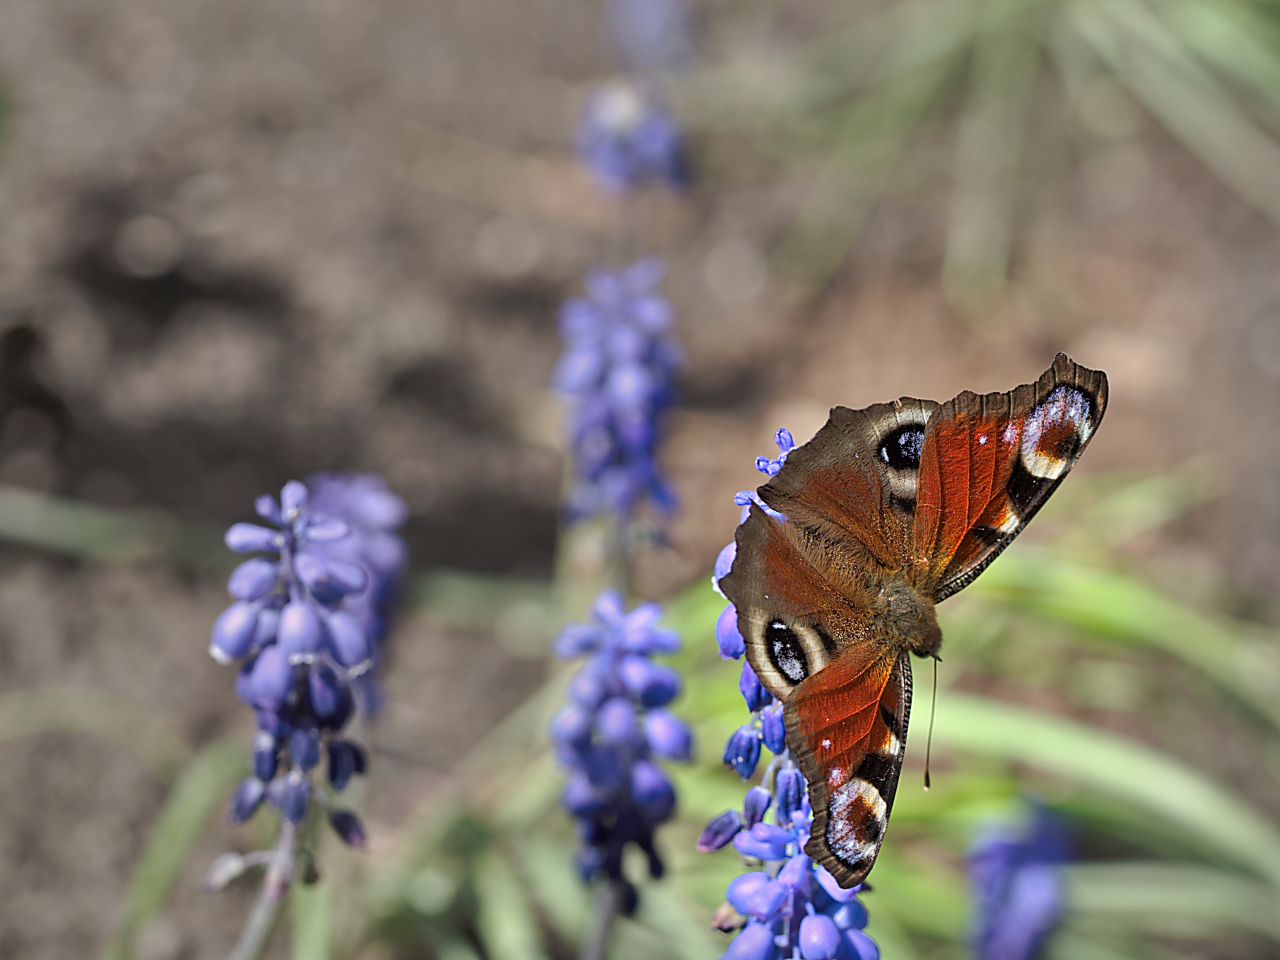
point(887, 511)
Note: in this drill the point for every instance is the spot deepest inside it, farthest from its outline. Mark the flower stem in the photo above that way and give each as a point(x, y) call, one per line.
point(607, 906)
point(256, 935)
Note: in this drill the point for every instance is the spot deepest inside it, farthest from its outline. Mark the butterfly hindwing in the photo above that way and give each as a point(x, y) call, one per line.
point(847, 727)
point(989, 462)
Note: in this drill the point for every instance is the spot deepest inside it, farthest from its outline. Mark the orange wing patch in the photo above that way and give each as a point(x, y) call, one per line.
point(847, 728)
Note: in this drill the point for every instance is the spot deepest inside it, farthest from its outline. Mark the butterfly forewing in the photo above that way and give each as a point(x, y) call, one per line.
point(990, 462)
point(847, 727)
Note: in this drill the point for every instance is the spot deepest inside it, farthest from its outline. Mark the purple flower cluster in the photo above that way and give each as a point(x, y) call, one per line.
point(628, 139)
point(618, 374)
point(374, 514)
point(791, 907)
point(614, 727)
point(298, 627)
point(1017, 886)
point(727, 636)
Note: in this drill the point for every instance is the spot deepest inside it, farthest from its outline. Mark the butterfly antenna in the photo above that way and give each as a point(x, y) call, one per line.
point(933, 707)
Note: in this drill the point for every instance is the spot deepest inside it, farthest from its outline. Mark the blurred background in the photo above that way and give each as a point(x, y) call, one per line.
point(242, 242)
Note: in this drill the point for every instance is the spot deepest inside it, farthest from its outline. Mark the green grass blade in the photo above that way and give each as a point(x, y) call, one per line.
point(1109, 605)
point(1220, 821)
point(1171, 900)
point(1002, 76)
point(197, 793)
point(1194, 106)
point(85, 530)
point(49, 709)
point(505, 918)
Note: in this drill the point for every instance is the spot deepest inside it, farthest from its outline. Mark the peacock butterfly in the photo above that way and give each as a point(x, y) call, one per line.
point(885, 512)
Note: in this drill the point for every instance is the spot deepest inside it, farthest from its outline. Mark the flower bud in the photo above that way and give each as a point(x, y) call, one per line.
point(572, 726)
point(347, 826)
point(728, 637)
point(616, 721)
point(764, 841)
point(742, 752)
point(766, 903)
point(577, 639)
point(345, 760)
point(755, 942)
point(794, 874)
point(724, 563)
point(266, 507)
point(755, 806)
point(851, 915)
point(347, 639)
point(743, 887)
point(272, 678)
point(860, 946)
point(773, 728)
point(668, 736)
point(293, 498)
point(299, 631)
point(651, 789)
point(819, 938)
point(720, 831)
point(328, 530)
point(579, 796)
point(251, 538)
point(789, 788)
point(233, 632)
point(652, 684)
point(752, 690)
point(832, 886)
point(245, 799)
point(304, 747)
point(253, 579)
point(295, 793)
point(264, 756)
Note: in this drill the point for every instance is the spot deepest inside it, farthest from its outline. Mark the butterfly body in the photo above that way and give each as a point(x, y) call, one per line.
point(884, 513)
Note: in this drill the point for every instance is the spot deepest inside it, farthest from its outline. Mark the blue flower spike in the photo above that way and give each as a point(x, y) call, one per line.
point(611, 732)
point(1015, 875)
point(617, 375)
point(308, 614)
point(792, 907)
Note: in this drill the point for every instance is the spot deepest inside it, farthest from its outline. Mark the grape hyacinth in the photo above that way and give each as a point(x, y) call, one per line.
point(617, 374)
point(373, 513)
point(1017, 887)
point(296, 627)
point(611, 732)
point(628, 139)
point(791, 907)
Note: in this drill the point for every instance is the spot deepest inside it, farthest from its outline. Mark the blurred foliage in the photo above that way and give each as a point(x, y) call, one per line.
point(1068, 682)
point(988, 105)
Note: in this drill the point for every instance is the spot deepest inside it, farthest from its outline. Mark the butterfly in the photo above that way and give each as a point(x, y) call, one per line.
point(887, 511)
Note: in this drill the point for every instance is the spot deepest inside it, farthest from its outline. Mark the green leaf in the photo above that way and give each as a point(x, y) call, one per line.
point(197, 793)
point(505, 918)
point(1207, 812)
point(48, 709)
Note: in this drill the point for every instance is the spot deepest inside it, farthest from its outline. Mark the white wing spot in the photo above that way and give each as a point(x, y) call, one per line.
point(982, 440)
point(841, 823)
point(826, 744)
point(1010, 433)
